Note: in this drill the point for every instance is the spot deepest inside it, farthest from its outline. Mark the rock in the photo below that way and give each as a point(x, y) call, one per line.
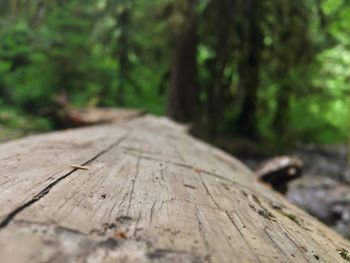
point(324, 198)
point(326, 160)
point(280, 170)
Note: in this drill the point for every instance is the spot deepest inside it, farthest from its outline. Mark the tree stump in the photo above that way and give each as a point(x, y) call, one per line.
point(145, 191)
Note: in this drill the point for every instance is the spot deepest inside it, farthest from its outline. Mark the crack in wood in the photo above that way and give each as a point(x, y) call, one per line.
point(209, 194)
point(138, 151)
point(197, 170)
point(120, 203)
point(242, 235)
point(293, 242)
point(301, 248)
point(201, 232)
point(48, 188)
point(190, 186)
point(276, 245)
point(133, 184)
point(161, 181)
point(115, 191)
point(76, 192)
point(152, 212)
point(170, 141)
point(136, 224)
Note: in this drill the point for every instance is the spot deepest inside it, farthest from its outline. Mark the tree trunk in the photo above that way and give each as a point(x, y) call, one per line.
point(145, 191)
point(249, 69)
point(286, 64)
point(123, 52)
point(183, 95)
point(281, 117)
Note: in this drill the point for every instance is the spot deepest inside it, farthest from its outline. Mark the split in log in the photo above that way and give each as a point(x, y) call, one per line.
point(147, 192)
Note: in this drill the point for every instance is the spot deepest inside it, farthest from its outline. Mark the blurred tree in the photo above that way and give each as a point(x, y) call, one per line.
point(274, 70)
point(251, 45)
point(290, 34)
point(183, 94)
point(217, 60)
point(123, 18)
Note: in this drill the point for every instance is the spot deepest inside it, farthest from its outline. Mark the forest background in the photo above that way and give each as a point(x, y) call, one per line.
point(276, 72)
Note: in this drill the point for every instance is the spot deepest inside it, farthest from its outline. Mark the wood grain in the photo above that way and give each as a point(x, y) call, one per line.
point(150, 193)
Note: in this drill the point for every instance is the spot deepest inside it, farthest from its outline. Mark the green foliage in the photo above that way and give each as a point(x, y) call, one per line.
point(119, 53)
point(74, 49)
point(14, 123)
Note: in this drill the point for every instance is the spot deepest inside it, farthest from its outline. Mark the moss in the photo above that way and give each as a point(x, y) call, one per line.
point(265, 213)
point(344, 254)
point(226, 186)
point(262, 211)
point(292, 217)
point(257, 200)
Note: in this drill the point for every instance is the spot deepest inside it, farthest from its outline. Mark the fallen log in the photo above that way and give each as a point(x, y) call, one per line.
point(93, 116)
point(70, 117)
point(145, 191)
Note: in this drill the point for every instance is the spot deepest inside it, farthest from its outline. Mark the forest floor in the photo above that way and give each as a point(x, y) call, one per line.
point(7, 134)
point(324, 188)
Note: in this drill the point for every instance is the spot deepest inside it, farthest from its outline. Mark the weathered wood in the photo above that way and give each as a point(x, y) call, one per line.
point(145, 191)
point(92, 116)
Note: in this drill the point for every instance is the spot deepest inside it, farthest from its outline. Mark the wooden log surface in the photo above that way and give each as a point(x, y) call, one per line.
point(145, 191)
